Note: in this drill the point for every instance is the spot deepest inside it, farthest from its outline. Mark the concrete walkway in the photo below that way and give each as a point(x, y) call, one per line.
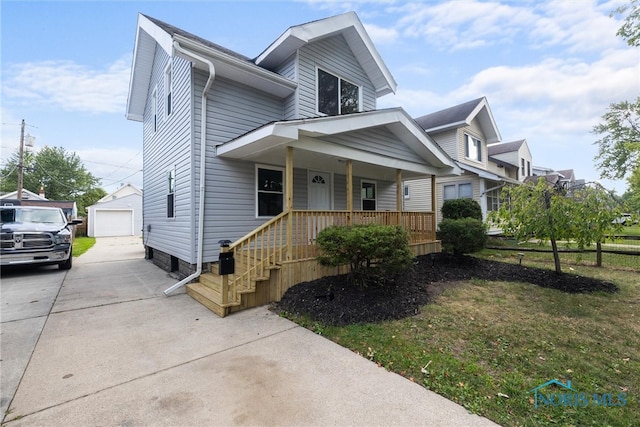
point(114, 351)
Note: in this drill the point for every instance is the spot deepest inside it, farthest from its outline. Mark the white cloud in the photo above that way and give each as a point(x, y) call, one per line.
point(69, 85)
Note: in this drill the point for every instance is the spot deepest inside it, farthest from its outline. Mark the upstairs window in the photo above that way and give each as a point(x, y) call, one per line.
point(337, 96)
point(270, 191)
point(171, 193)
point(154, 109)
point(473, 149)
point(167, 89)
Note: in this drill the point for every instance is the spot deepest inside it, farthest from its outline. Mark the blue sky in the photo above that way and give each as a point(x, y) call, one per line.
point(549, 69)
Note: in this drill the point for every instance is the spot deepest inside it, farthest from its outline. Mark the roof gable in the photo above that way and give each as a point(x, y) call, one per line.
point(354, 33)
point(462, 115)
point(174, 41)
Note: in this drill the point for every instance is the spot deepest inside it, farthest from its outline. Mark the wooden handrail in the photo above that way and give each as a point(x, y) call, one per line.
point(292, 236)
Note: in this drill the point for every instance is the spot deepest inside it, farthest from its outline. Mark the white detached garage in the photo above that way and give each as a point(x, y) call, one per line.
point(118, 214)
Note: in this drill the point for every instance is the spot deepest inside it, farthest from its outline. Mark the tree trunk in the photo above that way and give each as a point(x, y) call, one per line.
point(556, 255)
point(599, 254)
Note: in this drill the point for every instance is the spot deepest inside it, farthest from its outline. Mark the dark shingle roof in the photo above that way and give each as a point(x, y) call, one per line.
point(504, 147)
point(455, 114)
point(175, 30)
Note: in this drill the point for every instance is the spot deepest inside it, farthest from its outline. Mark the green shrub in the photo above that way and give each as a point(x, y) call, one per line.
point(463, 235)
point(461, 208)
point(373, 252)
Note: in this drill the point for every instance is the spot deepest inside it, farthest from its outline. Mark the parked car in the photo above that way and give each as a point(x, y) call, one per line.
point(625, 219)
point(36, 235)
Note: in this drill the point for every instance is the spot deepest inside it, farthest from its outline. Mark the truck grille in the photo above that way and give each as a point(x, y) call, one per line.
point(17, 241)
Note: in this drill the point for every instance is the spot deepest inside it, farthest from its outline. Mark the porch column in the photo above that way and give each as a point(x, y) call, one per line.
point(433, 205)
point(349, 189)
point(288, 180)
point(399, 190)
point(288, 185)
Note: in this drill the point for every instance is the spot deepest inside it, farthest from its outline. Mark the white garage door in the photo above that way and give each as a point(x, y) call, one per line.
point(113, 223)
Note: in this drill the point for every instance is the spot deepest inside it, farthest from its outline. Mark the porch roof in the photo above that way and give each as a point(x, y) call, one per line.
point(487, 175)
point(312, 139)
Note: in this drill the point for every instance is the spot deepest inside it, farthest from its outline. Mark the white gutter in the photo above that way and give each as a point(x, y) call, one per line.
point(203, 162)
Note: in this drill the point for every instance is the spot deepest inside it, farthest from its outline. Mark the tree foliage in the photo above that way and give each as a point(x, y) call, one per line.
point(61, 173)
point(581, 216)
point(371, 251)
point(619, 147)
point(630, 29)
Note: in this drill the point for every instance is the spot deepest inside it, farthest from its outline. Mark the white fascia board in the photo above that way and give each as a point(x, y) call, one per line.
point(158, 34)
point(339, 151)
point(265, 138)
point(240, 70)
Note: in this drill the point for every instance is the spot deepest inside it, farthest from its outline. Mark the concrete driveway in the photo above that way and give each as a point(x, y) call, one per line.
point(113, 350)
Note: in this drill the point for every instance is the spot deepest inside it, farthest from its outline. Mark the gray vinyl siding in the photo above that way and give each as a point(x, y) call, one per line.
point(379, 141)
point(419, 195)
point(334, 56)
point(169, 146)
point(288, 69)
point(232, 110)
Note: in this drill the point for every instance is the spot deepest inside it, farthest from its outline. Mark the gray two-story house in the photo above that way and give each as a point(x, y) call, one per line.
point(469, 134)
point(263, 153)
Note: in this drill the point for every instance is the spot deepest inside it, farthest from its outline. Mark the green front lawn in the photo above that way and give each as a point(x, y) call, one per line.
point(486, 344)
point(82, 244)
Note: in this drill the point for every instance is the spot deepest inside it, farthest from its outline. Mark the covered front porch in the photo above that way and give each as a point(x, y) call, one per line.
point(371, 153)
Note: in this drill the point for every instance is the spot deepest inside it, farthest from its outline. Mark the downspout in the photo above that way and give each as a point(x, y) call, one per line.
point(203, 152)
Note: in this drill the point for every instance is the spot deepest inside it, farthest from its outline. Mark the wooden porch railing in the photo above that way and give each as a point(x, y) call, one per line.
point(292, 236)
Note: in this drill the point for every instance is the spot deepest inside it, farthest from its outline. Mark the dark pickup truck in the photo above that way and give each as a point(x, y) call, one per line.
point(36, 235)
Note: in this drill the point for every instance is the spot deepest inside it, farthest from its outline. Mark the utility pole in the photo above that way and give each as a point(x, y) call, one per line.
point(21, 161)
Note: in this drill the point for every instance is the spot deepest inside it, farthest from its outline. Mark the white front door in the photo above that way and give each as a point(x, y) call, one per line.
point(319, 191)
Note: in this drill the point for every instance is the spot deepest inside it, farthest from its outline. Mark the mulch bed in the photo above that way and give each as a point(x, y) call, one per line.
point(333, 301)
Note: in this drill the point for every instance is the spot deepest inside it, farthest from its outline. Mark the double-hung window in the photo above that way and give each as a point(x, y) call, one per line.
point(167, 89)
point(336, 96)
point(473, 148)
point(368, 195)
point(270, 191)
point(458, 191)
point(171, 193)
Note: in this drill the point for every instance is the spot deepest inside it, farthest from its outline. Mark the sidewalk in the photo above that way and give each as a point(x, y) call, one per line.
point(116, 351)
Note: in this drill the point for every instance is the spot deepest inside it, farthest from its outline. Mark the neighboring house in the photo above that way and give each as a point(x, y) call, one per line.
point(266, 152)
point(565, 178)
point(118, 214)
point(30, 198)
point(466, 132)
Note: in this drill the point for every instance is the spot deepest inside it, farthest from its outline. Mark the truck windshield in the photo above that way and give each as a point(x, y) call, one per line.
point(45, 216)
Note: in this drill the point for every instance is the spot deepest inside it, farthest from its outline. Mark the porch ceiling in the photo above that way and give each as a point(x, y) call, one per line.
point(316, 149)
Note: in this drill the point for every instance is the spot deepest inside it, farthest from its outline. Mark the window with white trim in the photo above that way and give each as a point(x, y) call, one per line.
point(406, 191)
point(167, 89)
point(368, 195)
point(457, 191)
point(473, 148)
point(493, 200)
point(171, 193)
point(154, 108)
point(335, 95)
point(269, 191)
point(522, 167)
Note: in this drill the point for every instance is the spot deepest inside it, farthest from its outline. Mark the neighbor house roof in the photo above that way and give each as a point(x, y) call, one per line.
point(462, 115)
point(504, 147)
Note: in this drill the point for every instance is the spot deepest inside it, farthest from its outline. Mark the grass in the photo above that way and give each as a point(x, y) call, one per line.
point(82, 244)
point(486, 344)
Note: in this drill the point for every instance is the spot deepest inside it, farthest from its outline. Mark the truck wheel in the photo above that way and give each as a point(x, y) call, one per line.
point(66, 265)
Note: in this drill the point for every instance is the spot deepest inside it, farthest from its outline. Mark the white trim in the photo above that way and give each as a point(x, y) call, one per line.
point(331, 192)
point(375, 190)
point(154, 109)
point(168, 88)
point(268, 167)
point(338, 76)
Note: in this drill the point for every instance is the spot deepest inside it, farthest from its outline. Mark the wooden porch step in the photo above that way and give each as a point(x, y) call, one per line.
point(209, 298)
